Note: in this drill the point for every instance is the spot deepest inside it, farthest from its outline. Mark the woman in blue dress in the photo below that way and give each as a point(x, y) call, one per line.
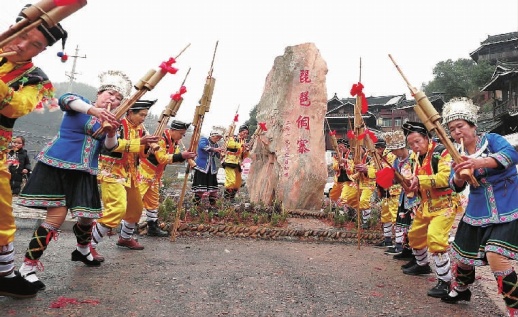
point(488, 231)
point(64, 177)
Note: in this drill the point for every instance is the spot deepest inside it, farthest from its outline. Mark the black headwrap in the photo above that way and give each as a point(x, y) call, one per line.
point(179, 125)
point(52, 34)
point(410, 127)
point(380, 144)
point(143, 104)
point(343, 141)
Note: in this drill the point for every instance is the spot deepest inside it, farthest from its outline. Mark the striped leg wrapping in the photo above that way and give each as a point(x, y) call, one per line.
point(98, 233)
point(6, 259)
point(152, 215)
point(442, 266)
point(399, 235)
point(127, 229)
point(421, 256)
point(387, 230)
point(366, 214)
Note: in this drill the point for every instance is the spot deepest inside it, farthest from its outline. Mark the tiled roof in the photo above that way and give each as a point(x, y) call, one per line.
point(503, 70)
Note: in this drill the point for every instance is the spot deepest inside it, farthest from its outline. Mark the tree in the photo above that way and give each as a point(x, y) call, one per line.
point(252, 121)
point(460, 78)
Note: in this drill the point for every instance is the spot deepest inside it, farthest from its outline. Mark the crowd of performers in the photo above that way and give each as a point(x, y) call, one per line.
point(128, 162)
point(104, 170)
point(417, 219)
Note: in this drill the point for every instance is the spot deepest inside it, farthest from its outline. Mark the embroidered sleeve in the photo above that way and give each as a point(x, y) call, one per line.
point(503, 152)
point(441, 178)
point(66, 99)
point(129, 146)
point(204, 145)
point(18, 103)
point(161, 155)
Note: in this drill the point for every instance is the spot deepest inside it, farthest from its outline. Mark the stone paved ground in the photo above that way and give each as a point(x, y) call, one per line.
point(27, 218)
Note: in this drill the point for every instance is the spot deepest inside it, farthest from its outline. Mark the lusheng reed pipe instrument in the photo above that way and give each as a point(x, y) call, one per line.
point(46, 12)
point(431, 119)
point(145, 84)
point(199, 114)
point(261, 127)
point(106, 125)
point(230, 131)
point(170, 111)
point(7, 54)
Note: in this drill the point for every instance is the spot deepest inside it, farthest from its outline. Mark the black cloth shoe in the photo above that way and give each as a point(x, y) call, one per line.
point(440, 290)
point(406, 254)
point(455, 296)
point(78, 256)
point(17, 287)
point(410, 263)
point(154, 231)
point(392, 250)
point(383, 244)
point(417, 269)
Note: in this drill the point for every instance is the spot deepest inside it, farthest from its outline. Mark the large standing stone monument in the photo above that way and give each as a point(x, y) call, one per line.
point(288, 160)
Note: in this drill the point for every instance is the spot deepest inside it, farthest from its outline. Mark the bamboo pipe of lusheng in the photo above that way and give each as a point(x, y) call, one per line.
point(430, 118)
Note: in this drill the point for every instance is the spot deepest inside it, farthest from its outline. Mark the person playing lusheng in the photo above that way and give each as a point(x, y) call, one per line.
point(389, 196)
point(118, 176)
point(397, 144)
point(436, 213)
point(23, 87)
point(205, 179)
point(349, 194)
point(19, 164)
point(488, 231)
point(340, 168)
point(236, 151)
point(152, 168)
point(367, 174)
point(65, 175)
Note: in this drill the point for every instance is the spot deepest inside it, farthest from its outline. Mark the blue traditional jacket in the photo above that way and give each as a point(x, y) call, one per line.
point(206, 157)
point(496, 199)
point(74, 147)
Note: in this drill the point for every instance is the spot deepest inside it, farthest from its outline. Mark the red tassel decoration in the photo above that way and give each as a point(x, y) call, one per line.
point(60, 3)
point(357, 89)
point(262, 125)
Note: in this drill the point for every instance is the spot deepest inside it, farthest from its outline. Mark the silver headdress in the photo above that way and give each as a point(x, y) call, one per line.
point(395, 139)
point(217, 130)
point(116, 80)
point(459, 109)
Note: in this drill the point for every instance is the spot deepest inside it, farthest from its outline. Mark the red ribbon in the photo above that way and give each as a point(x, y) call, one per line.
point(178, 95)
point(350, 135)
point(262, 126)
point(357, 89)
point(332, 133)
point(236, 117)
point(371, 135)
point(167, 68)
point(60, 3)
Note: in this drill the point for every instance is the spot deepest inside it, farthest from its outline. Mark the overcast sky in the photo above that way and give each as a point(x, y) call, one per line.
point(136, 36)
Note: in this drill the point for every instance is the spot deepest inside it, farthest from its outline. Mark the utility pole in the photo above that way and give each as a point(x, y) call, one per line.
point(72, 74)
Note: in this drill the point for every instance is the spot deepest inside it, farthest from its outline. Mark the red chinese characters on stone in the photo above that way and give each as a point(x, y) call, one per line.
point(302, 146)
point(304, 76)
point(304, 99)
point(303, 122)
